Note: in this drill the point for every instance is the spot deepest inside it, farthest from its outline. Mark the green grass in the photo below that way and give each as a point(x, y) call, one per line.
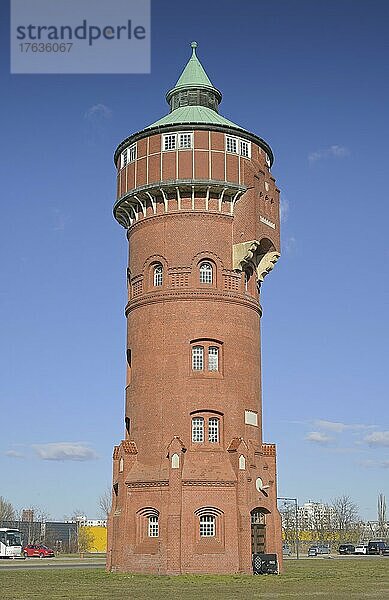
point(317, 578)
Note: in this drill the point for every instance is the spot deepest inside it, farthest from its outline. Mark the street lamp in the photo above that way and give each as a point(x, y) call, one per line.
point(296, 529)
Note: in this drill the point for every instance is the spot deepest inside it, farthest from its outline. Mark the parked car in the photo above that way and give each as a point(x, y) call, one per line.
point(385, 551)
point(319, 549)
point(38, 550)
point(375, 547)
point(346, 549)
point(286, 551)
point(360, 549)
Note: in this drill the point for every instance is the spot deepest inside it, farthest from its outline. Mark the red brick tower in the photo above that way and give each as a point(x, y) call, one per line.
point(194, 486)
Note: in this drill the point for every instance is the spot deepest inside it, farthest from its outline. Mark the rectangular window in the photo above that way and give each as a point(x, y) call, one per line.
point(170, 141)
point(197, 358)
point(131, 153)
point(207, 526)
point(213, 358)
point(238, 146)
point(185, 140)
point(153, 527)
point(213, 430)
point(245, 148)
point(231, 144)
point(158, 275)
point(198, 429)
point(123, 158)
point(128, 155)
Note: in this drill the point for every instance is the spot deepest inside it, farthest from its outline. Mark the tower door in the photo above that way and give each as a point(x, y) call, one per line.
point(258, 531)
point(258, 538)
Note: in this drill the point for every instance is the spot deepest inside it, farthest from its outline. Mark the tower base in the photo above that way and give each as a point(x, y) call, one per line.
point(199, 512)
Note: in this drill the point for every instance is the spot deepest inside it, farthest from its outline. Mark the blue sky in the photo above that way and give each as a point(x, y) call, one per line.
point(311, 78)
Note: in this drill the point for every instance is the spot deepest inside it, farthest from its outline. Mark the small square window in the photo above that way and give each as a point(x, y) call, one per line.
point(245, 148)
point(170, 141)
point(185, 140)
point(231, 144)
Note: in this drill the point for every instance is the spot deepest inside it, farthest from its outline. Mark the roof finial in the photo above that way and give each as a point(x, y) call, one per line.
point(194, 46)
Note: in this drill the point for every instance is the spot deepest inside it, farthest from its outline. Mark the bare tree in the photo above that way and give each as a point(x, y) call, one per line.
point(382, 524)
point(105, 502)
point(7, 511)
point(320, 523)
point(345, 518)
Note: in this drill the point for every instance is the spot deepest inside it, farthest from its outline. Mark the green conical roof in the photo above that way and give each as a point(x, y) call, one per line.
point(194, 77)
point(193, 114)
point(193, 99)
point(194, 73)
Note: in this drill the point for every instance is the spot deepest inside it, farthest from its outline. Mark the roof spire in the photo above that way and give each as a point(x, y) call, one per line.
point(194, 88)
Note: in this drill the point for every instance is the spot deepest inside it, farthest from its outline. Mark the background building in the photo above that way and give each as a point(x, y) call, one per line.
point(194, 484)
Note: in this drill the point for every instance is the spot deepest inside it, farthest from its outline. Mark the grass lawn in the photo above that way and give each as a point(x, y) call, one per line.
point(317, 578)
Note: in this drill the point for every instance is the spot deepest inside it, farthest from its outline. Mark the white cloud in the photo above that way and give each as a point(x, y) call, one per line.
point(334, 151)
point(14, 454)
point(318, 437)
point(338, 427)
point(375, 464)
point(98, 112)
point(77, 451)
point(378, 438)
point(331, 425)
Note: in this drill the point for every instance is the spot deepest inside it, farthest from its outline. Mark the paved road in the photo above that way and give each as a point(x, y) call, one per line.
point(50, 563)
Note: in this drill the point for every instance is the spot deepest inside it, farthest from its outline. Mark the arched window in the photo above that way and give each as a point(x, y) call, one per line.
point(207, 526)
point(153, 526)
point(206, 272)
point(210, 524)
point(206, 428)
point(158, 275)
point(258, 516)
point(198, 429)
point(197, 358)
point(175, 461)
point(213, 358)
point(121, 465)
point(206, 357)
point(213, 430)
point(147, 524)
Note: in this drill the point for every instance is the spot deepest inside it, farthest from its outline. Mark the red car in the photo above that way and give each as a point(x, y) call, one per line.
point(38, 550)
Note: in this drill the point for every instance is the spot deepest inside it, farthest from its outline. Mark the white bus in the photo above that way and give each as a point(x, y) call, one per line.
point(10, 543)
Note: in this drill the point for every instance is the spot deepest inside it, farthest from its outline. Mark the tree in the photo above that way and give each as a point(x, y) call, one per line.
point(7, 511)
point(382, 525)
point(346, 522)
point(105, 502)
point(85, 539)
